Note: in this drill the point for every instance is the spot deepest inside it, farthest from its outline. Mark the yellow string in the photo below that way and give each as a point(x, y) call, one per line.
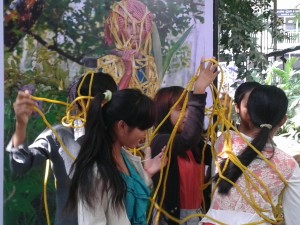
point(70, 120)
point(167, 215)
point(222, 120)
point(45, 191)
point(114, 65)
point(225, 124)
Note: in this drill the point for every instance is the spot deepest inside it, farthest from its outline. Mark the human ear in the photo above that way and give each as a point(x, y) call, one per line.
point(237, 109)
point(276, 128)
point(121, 124)
point(284, 119)
point(121, 127)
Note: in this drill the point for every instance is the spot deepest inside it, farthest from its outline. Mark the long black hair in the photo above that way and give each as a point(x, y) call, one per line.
point(266, 105)
point(129, 105)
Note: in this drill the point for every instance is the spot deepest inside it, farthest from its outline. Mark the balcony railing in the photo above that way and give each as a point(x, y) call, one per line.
point(292, 37)
point(266, 42)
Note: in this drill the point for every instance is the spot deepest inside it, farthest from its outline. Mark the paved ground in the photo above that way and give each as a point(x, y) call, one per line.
point(288, 145)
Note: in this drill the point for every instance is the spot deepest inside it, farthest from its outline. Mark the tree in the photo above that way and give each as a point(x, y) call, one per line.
point(239, 22)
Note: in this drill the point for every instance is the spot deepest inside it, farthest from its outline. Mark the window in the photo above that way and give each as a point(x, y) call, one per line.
point(290, 24)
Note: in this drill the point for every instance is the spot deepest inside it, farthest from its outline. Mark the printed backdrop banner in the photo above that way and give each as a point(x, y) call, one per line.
point(199, 43)
point(49, 43)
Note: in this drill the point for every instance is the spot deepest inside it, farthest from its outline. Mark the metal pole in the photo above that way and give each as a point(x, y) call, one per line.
point(215, 30)
point(1, 111)
point(275, 24)
point(215, 33)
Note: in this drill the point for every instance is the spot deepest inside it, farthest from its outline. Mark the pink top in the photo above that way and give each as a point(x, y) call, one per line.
point(233, 209)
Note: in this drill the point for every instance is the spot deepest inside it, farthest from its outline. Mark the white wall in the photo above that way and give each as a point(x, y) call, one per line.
point(287, 4)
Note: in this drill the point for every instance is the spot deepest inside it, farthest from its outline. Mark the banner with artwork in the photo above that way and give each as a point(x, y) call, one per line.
point(48, 44)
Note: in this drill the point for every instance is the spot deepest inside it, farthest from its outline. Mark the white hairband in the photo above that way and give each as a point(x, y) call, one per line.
point(107, 95)
point(269, 126)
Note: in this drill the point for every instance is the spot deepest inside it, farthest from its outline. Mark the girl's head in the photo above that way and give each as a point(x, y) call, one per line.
point(243, 89)
point(240, 99)
point(266, 108)
point(128, 115)
point(164, 99)
point(267, 105)
point(129, 22)
point(121, 121)
point(241, 96)
point(100, 83)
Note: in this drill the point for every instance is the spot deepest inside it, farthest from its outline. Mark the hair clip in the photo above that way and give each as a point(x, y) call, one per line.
point(107, 95)
point(269, 126)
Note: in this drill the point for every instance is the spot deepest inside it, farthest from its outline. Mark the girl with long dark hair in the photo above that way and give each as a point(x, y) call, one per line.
point(47, 147)
point(109, 185)
point(253, 180)
point(240, 100)
point(186, 172)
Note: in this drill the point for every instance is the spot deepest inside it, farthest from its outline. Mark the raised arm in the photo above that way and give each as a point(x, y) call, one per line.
point(22, 157)
point(193, 127)
point(23, 108)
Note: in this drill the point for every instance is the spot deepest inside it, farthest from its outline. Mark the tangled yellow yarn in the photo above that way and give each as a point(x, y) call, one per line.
point(217, 119)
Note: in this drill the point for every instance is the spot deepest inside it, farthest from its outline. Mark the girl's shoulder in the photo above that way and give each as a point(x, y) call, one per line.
point(231, 140)
point(284, 162)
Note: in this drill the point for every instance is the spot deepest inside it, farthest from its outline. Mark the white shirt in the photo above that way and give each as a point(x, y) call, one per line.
point(104, 213)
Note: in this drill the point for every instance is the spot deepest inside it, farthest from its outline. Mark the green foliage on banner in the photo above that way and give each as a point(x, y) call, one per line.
point(23, 202)
point(43, 45)
point(43, 73)
point(172, 18)
point(175, 49)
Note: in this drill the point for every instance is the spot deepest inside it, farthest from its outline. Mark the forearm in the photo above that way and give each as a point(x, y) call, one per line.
point(19, 135)
point(23, 158)
point(193, 128)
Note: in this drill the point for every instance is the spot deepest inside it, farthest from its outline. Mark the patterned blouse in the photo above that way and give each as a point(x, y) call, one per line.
point(233, 207)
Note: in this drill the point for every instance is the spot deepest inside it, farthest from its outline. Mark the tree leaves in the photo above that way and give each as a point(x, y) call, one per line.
point(240, 21)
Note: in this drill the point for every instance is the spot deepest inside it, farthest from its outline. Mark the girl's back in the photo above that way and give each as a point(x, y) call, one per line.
point(268, 177)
